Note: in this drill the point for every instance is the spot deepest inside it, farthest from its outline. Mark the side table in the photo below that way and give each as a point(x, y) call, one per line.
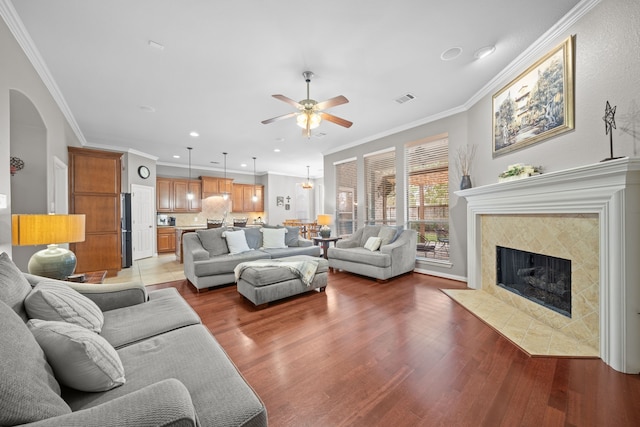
point(90, 277)
point(324, 243)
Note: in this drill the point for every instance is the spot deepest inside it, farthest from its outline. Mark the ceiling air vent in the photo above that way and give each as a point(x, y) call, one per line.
point(405, 98)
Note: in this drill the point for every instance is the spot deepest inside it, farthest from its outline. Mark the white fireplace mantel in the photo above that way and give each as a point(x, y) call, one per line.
point(612, 191)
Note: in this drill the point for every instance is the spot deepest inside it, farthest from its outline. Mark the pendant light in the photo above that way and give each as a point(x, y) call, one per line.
point(189, 193)
point(225, 195)
point(307, 185)
point(255, 195)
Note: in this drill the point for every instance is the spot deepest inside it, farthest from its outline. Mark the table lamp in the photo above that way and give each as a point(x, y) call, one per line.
point(53, 262)
point(324, 220)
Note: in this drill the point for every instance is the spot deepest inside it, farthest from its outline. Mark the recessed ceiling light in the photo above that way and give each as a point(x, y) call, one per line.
point(277, 150)
point(147, 109)
point(194, 134)
point(483, 52)
point(156, 45)
point(244, 165)
point(450, 54)
point(175, 156)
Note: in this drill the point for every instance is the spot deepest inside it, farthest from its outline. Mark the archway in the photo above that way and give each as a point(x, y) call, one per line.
point(28, 142)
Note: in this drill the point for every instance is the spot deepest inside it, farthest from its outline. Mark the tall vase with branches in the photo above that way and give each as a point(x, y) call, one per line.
point(464, 159)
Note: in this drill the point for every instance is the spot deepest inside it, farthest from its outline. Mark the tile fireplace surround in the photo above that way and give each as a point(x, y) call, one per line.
point(591, 214)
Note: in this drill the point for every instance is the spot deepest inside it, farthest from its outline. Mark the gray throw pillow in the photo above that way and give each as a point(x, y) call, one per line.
point(14, 287)
point(213, 242)
point(291, 237)
point(387, 234)
point(369, 231)
point(56, 301)
point(253, 236)
point(80, 358)
point(29, 391)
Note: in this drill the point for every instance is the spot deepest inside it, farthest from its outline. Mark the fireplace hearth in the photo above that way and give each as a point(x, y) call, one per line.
point(543, 279)
point(588, 214)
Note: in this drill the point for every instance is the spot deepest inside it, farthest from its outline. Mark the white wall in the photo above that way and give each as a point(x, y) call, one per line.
point(607, 67)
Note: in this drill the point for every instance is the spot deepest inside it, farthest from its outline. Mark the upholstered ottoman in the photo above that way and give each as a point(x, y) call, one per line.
point(262, 284)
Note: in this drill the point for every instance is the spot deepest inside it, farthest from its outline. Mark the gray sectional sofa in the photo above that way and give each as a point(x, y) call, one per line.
point(395, 255)
point(208, 262)
point(112, 355)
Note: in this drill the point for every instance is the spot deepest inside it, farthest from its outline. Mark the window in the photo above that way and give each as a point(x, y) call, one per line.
point(427, 177)
point(346, 174)
point(380, 187)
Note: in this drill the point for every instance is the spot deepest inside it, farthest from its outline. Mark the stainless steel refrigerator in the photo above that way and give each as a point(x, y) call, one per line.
point(125, 226)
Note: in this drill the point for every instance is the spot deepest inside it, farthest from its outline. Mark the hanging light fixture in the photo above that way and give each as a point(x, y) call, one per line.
point(255, 196)
point(225, 195)
point(189, 193)
point(312, 117)
point(307, 185)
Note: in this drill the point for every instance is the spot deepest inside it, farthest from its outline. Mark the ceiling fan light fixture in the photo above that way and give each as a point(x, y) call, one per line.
point(314, 120)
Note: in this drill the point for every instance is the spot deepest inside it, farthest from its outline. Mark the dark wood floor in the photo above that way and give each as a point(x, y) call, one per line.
point(403, 354)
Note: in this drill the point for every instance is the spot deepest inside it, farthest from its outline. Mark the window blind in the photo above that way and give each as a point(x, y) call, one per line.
point(380, 185)
point(427, 198)
point(346, 174)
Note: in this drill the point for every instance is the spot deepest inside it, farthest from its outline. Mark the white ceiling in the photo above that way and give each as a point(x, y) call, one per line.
point(222, 60)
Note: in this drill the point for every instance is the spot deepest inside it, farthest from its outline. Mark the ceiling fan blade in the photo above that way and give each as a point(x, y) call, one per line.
point(336, 120)
point(288, 101)
point(275, 119)
point(338, 100)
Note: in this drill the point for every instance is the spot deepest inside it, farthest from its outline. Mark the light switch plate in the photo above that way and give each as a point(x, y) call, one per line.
point(3, 201)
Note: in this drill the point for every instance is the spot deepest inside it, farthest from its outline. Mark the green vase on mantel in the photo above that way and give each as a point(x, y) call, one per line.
point(466, 182)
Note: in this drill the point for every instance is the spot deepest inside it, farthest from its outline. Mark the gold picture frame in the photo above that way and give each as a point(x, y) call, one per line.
point(536, 105)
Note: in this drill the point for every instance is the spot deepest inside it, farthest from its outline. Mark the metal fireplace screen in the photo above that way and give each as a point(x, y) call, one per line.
point(543, 279)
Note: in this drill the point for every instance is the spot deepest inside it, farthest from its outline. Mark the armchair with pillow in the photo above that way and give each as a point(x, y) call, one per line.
point(377, 251)
point(210, 256)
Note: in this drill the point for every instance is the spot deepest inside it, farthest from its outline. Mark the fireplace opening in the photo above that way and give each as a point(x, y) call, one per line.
point(543, 279)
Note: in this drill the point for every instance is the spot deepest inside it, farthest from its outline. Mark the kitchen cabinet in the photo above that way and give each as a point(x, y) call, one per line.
point(212, 186)
point(171, 195)
point(94, 190)
point(164, 194)
point(166, 240)
point(242, 198)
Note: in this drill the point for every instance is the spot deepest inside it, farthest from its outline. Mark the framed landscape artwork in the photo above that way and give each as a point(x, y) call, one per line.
point(536, 105)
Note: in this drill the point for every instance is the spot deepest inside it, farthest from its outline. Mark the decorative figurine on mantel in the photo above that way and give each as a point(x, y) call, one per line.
point(609, 125)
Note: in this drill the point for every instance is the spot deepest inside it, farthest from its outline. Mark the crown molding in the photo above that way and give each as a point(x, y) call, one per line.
point(15, 25)
point(535, 51)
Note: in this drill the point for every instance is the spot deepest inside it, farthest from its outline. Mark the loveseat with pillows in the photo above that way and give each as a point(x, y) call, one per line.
point(378, 251)
point(210, 256)
point(75, 354)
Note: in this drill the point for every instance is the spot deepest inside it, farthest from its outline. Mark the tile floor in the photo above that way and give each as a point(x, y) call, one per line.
point(149, 271)
point(529, 334)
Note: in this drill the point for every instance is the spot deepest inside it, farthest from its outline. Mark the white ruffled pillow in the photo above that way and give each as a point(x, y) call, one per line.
point(236, 241)
point(50, 300)
point(273, 237)
point(80, 359)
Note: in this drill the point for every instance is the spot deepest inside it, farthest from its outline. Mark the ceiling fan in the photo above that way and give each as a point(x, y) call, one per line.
point(310, 112)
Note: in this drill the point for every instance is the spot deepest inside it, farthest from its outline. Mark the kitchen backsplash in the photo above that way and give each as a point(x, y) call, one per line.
point(214, 208)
